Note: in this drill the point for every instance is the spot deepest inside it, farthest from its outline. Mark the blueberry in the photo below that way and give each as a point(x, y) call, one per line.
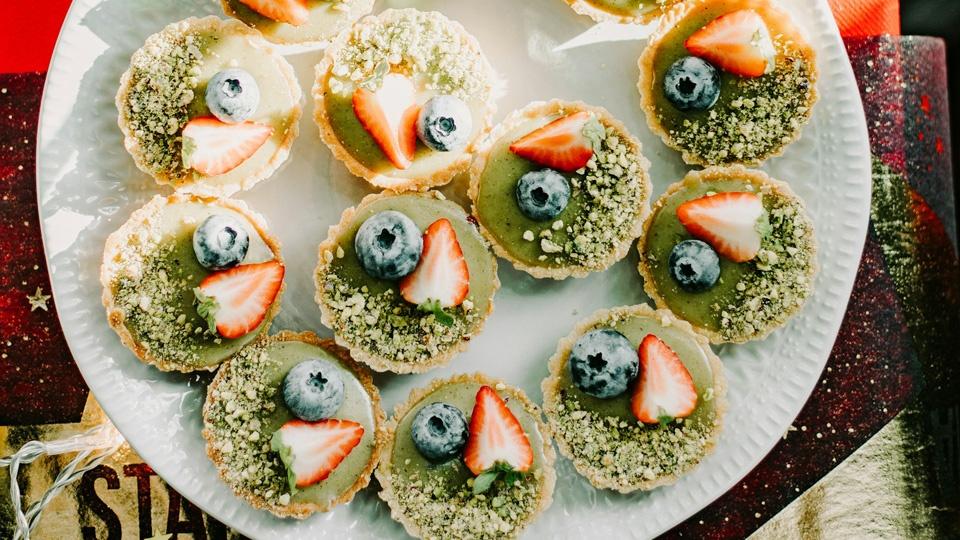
point(603, 362)
point(220, 242)
point(692, 84)
point(445, 123)
point(313, 390)
point(694, 265)
point(232, 95)
point(388, 245)
point(543, 194)
point(439, 431)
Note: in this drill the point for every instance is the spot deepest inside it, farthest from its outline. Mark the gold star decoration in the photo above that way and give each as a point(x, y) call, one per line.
point(38, 300)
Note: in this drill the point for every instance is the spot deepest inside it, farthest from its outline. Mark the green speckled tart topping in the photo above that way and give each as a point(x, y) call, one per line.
point(754, 117)
point(752, 297)
point(154, 272)
point(608, 197)
point(605, 440)
point(246, 408)
point(440, 499)
point(370, 315)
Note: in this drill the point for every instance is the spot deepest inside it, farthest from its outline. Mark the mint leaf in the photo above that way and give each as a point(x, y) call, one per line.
point(763, 225)
point(207, 307)
point(433, 306)
point(286, 456)
point(482, 483)
point(594, 131)
point(187, 147)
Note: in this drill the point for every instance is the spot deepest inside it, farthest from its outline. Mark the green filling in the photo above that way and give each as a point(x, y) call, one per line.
point(753, 117)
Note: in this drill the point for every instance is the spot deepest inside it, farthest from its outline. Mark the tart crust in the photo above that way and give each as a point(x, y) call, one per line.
point(552, 386)
point(379, 180)
point(302, 510)
point(143, 217)
point(279, 40)
point(758, 178)
point(584, 7)
point(675, 16)
point(383, 472)
point(256, 40)
point(535, 110)
point(378, 362)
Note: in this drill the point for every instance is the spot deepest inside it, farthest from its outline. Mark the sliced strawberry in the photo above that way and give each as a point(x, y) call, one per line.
point(665, 390)
point(212, 147)
point(496, 436)
point(560, 145)
point(441, 275)
point(293, 12)
point(236, 300)
point(738, 42)
point(727, 221)
point(390, 116)
point(312, 450)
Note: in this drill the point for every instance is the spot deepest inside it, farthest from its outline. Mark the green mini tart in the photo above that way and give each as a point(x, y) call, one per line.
point(327, 19)
point(753, 298)
point(436, 500)
point(164, 89)
point(605, 442)
point(149, 273)
point(437, 55)
point(621, 11)
point(368, 315)
point(245, 406)
point(608, 203)
point(754, 118)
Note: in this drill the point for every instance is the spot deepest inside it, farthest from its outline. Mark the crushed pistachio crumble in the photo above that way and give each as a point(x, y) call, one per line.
point(148, 292)
point(781, 278)
point(771, 109)
point(612, 192)
point(237, 407)
point(390, 326)
point(425, 45)
point(163, 75)
point(447, 507)
point(626, 453)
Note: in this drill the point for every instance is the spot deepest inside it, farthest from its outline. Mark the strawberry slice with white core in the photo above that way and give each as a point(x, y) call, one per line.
point(441, 275)
point(312, 450)
point(727, 221)
point(665, 390)
point(293, 12)
point(739, 42)
point(212, 147)
point(560, 145)
point(496, 436)
point(390, 116)
point(236, 300)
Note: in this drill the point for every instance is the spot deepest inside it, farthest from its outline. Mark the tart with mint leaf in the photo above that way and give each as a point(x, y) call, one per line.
point(187, 281)
point(622, 11)
point(293, 424)
point(467, 457)
point(208, 107)
point(635, 398)
point(731, 251)
point(402, 97)
point(297, 22)
point(405, 281)
point(560, 189)
point(727, 81)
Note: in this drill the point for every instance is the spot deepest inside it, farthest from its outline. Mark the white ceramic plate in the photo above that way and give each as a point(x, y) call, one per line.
point(88, 185)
